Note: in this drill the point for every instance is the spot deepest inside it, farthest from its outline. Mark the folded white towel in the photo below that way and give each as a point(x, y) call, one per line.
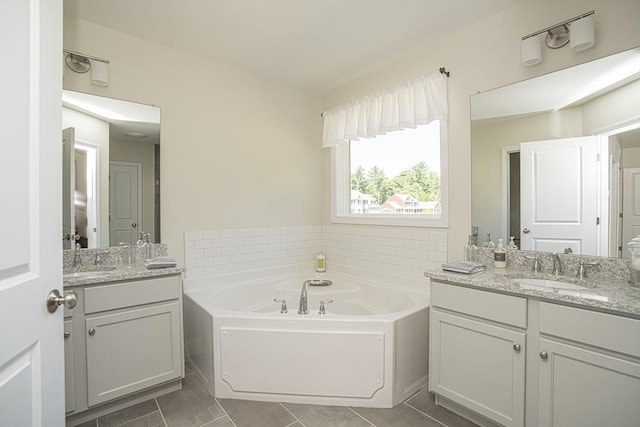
point(160, 262)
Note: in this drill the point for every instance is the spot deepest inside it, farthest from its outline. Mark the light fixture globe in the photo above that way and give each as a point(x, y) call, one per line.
point(583, 34)
point(530, 51)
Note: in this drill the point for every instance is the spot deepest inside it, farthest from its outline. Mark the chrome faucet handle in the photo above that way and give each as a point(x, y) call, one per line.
point(283, 308)
point(536, 263)
point(557, 265)
point(582, 270)
point(322, 311)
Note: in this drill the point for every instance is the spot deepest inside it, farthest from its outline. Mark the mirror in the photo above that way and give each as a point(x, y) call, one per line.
point(111, 171)
point(556, 159)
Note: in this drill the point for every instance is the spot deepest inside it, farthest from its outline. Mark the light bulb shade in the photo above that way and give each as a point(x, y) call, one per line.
point(530, 51)
point(99, 73)
point(583, 33)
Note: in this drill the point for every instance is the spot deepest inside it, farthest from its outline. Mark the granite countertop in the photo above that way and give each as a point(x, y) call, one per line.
point(116, 274)
point(610, 295)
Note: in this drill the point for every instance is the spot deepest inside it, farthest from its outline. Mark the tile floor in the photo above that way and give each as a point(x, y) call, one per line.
point(193, 406)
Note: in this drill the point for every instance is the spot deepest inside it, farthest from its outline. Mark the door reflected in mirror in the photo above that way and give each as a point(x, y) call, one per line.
point(556, 159)
point(111, 171)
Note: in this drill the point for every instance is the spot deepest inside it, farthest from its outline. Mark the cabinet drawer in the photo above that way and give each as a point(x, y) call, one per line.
point(484, 304)
point(591, 327)
point(128, 294)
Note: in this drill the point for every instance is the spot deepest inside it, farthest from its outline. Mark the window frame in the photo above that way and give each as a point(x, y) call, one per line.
point(341, 194)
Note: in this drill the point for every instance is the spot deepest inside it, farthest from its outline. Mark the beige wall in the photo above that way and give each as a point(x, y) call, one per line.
point(485, 56)
point(237, 150)
point(143, 153)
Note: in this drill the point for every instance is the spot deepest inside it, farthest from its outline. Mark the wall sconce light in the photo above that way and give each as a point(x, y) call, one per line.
point(81, 63)
point(580, 30)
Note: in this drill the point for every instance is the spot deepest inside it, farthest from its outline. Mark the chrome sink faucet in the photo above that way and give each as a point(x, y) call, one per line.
point(557, 265)
point(77, 259)
point(302, 309)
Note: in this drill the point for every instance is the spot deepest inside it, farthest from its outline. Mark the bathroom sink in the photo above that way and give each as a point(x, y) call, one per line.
point(546, 283)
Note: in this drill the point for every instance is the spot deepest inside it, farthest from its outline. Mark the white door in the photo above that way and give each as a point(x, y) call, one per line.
point(630, 207)
point(125, 202)
point(558, 197)
point(68, 187)
point(31, 338)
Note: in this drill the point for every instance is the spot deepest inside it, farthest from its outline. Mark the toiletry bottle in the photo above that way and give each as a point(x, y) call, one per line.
point(321, 265)
point(500, 256)
point(469, 250)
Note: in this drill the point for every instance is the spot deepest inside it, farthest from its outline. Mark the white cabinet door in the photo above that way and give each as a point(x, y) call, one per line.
point(478, 365)
point(579, 387)
point(131, 350)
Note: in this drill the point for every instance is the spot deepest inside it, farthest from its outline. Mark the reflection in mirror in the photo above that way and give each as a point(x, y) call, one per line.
point(556, 159)
point(111, 171)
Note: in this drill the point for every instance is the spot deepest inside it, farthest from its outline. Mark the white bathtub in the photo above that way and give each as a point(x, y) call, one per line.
point(370, 349)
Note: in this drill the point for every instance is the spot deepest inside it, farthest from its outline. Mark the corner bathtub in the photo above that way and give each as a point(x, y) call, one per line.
point(370, 349)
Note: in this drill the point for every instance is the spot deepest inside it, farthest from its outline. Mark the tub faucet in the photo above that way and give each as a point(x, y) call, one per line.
point(557, 266)
point(302, 309)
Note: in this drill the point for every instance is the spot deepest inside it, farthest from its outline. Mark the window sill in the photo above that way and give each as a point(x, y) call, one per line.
point(387, 220)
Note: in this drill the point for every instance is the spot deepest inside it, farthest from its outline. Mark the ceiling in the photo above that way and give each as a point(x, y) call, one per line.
point(311, 44)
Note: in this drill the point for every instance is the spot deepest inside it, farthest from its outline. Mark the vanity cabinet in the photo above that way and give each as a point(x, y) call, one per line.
point(519, 361)
point(477, 343)
point(589, 368)
point(128, 335)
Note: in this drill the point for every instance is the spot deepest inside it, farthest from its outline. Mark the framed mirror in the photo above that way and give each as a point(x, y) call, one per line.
point(111, 171)
point(556, 159)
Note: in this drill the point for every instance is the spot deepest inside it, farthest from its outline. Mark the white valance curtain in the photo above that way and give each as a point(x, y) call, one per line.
point(407, 105)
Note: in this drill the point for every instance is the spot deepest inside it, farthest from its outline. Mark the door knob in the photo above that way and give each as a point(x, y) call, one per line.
point(54, 299)
point(526, 231)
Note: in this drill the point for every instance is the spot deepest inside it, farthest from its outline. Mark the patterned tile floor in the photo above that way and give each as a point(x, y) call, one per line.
point(193, 406)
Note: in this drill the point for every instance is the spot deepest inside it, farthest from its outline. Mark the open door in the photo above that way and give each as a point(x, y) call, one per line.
point(68, 188)
point(31, 338)
point(565, 172)
point(630, 207)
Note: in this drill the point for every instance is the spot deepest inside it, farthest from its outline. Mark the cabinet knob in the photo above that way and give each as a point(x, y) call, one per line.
point(92, 331)
point(516, 348)
point(67, 334)
point(543, 355)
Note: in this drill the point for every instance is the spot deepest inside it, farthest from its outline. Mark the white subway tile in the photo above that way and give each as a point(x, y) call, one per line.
point(201, 244)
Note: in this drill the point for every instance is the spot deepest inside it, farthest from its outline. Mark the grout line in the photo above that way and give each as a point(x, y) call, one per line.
point(361, 416)
point(161, 414)
point(294, 417)
point(424, 413)
point(138, 418)
point(225, 412)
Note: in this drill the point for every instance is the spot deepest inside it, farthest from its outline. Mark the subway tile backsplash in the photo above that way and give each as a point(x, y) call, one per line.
point(392, 250)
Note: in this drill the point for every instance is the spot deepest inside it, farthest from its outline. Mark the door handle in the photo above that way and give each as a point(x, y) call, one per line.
point(134, 225)
point(526, 231)
point(54, 299)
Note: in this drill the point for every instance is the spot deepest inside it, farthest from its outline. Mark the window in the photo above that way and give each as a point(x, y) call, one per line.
point(392, 179)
